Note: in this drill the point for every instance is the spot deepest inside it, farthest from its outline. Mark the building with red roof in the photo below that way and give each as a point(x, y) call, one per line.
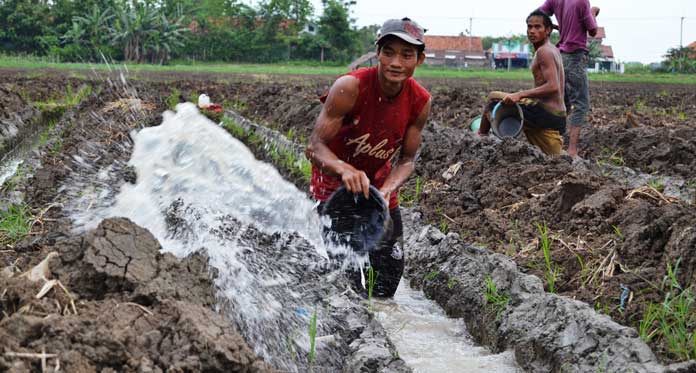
point(455, 51)
point(605, 61)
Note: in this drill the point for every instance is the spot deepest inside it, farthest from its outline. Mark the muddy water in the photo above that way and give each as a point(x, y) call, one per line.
point(430, 342)
point(193, 179)
point(10, 162)
point(8, 167)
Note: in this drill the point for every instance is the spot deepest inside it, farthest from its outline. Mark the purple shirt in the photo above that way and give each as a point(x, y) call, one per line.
point(574, 21)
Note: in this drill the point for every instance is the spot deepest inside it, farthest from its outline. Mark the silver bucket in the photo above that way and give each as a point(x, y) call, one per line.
point(507, 120)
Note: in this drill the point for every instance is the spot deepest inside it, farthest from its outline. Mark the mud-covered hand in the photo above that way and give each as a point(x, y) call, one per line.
point(356, 181)
point(512, 98)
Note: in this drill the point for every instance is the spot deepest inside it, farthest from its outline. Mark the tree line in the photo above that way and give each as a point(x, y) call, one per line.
point(157, 31)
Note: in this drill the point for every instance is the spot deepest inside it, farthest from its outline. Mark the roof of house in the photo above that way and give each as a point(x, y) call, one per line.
point(601, 34)
point(453, 43)
point(607, 51)
point(692, 46)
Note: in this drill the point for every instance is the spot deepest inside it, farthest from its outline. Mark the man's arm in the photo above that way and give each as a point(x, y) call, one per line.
point(551, 84)
point(547, 7)
point(407, 159)
point(589, 20)
point(339, 102)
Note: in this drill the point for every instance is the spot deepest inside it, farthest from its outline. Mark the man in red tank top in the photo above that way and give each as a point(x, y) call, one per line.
point(369, 116)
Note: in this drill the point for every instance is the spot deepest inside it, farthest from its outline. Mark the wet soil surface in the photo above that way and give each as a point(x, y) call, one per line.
point(606, 236)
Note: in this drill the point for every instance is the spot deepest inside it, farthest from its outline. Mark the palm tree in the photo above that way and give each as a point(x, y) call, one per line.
point(87, 31)
point(145, 34)
point(132, 26)
point(168, 36)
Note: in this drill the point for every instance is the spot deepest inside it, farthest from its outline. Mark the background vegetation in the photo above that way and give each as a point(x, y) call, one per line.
point(157, 31)
point(193, 31)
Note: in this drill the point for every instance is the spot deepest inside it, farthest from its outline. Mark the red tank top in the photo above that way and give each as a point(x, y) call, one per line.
point(372, 133)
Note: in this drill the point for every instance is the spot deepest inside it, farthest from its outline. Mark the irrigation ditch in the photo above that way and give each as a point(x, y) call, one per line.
point(113, 296)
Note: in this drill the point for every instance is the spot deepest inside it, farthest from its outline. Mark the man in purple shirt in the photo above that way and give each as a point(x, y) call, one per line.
point(575, 20)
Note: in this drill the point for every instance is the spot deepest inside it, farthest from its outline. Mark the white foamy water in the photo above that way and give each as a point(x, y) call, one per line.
point(193, 178)
point(8, 168)
point(199, 188)
point(430, 342)
point(189, 157)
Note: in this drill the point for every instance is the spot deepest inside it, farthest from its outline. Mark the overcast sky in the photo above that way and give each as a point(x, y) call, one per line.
point(638, 30)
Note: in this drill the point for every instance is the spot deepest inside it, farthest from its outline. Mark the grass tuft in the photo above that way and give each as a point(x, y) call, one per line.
point(551, 270)
point(672, 323)
point(312, 336)
point(15, 224)
point(495, 298)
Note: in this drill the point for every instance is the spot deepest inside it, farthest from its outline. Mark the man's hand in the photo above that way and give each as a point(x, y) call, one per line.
point(356, 181)
point(512, 98)
point(385, 194)
point(595, 11)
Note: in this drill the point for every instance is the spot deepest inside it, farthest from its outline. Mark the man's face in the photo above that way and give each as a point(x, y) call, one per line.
point(398, 60)
point(536, 31)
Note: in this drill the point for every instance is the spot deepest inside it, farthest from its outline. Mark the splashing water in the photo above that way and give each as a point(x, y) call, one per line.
point(199, 187)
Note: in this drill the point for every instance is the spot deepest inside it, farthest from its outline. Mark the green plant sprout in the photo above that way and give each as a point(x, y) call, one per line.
point(551, 271)
point(494, 298)
point(312, 336)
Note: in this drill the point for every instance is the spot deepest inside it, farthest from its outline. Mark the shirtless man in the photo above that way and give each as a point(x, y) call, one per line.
point(543, 106)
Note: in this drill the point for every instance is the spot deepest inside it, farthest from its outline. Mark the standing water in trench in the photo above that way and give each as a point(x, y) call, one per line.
point(199, 188)
point(429, 341)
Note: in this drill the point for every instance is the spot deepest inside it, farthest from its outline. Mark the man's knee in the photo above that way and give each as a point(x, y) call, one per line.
point(577, 117)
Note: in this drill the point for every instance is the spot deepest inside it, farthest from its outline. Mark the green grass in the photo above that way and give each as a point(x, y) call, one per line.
point(333, 70)
point(408, 198)
point(672, 323)
point(371, 278)
point(74, 98)
point(657, 183)
point(610, 156)
point(451, 282)
point(432, 275)
point(173, 98)
point(494, 297)
point(444, 226)
point(15, 224)
point(283, 158)
point(551, 271)
point(312, 336)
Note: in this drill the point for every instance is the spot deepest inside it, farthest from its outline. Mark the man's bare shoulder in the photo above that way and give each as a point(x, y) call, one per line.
point(346, 84)
point(548, 50)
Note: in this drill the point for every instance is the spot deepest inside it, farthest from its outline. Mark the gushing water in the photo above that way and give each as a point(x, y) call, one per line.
point(199, 188)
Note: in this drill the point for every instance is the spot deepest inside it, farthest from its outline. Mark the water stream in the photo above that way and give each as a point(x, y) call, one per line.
point(199, 188)
point(430, 342)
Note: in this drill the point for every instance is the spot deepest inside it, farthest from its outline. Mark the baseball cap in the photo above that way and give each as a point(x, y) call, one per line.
point(406, 29)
